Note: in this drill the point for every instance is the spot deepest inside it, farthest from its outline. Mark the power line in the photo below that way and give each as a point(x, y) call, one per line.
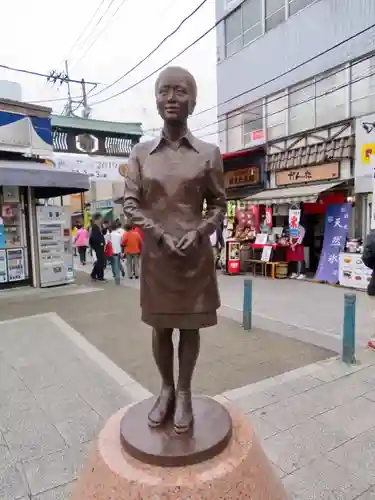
point(310, 99)
point(85, 28)
point(53, 76)
point(103, 30)
point(302, 87)
point(184, 20)
point(320, 54)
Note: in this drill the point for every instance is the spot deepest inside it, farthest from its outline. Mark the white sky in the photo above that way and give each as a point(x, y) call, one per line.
point(122, 40)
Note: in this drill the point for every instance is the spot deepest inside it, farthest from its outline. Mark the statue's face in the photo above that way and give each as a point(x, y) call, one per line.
point(174, 96)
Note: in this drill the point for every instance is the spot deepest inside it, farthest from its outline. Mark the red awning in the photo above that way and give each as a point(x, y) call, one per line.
point(242, 152)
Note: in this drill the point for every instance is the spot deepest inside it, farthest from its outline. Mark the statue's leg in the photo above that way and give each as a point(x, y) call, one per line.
point(162, 348)
point(188, 351)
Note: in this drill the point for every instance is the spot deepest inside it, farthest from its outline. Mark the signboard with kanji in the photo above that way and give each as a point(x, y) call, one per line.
point(315, 173)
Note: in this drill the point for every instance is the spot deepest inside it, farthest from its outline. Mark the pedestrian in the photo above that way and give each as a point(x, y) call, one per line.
point(368, 258)
point(81, 241)
point(115, 238)
point(217, 243)
point(97, 243)
point(132, 243)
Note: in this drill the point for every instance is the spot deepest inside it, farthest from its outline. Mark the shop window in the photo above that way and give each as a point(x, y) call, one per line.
point(302, 107)
point(233, 33)
point(251, 20)
point(276, 112)
point(234, 131)
point(363, 87)
point(275, 13)
point(331, 104)
point(296, 5)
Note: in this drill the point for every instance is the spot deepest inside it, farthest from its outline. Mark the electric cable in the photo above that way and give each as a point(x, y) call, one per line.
point(310, 99)
point(320, 54)
point(103, 30)
point(51, 76)
point(155, 49)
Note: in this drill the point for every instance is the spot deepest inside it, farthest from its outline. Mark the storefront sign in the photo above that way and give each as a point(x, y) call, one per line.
point(249, 176)
point(294, 219)
point(233, 257)
point(325, 172)
point(365, 150)
point(254, 138)
point(108, 168)
point(335, 234)
point(352, 271)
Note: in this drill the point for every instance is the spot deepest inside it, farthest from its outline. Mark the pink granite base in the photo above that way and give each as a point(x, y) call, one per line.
point(241, 471)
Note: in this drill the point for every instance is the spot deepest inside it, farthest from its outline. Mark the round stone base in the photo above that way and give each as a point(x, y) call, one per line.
point(241, 471)
point(161, 446)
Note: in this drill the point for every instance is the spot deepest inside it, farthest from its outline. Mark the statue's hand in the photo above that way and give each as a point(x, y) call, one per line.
point(170, 244)
point(188, 241)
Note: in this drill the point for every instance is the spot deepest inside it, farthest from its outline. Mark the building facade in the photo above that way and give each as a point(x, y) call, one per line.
point(296, 77)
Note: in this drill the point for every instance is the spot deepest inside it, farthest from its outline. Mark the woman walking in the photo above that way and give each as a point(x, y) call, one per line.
point(81, 241)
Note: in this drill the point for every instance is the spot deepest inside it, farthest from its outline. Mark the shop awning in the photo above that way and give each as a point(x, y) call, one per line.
point(48, 183)
point(296, 194)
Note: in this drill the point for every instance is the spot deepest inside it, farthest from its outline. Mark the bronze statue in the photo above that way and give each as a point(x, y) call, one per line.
point(167, 181)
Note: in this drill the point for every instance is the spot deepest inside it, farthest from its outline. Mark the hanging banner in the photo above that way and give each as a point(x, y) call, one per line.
point(255, 209)
point(269, 216)
point(335, 234)
point(372, 222)
point(294, 218)
point(2, 233)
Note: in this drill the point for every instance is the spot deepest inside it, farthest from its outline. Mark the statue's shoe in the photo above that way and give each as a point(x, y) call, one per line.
point(183, 415)
point(163, 408)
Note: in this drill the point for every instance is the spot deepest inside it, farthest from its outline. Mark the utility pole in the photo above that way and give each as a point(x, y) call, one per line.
point(69, 110)
point(86, 108)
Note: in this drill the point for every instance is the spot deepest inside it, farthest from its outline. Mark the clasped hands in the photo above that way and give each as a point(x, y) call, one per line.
point(180, 246)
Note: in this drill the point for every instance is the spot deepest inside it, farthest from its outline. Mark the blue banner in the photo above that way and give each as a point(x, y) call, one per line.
point(335, 234)
point(2, 234)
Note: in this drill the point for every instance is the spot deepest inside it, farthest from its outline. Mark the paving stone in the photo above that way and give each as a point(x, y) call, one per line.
point(55, 469)
point(105, 399)
point(263, 429)
point(254, 401)
point(15, 408)
point(301, 444)
point(61, 402)
point(35, 378)
point(59, 493)
point(324, 479)
point(33, 437)
point(357, 456)
point(353, 418)
point(12, 482)
point(82, 428)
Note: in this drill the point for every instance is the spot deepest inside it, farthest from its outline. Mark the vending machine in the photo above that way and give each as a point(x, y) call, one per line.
point(55, 252)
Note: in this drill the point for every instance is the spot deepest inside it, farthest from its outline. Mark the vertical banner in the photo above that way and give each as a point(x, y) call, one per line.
point(335, 234)
point(2, 233)
point(256, 217)
point(294, 218)
point(372, 222)
point(269, 216)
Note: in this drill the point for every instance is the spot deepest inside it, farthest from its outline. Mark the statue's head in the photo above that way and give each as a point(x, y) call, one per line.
point(176, 94)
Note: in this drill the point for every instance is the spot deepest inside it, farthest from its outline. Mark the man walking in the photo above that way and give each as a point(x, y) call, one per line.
point(97, 243)
point(132, 243)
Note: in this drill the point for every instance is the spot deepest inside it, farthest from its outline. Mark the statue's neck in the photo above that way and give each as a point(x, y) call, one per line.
point(174, 131)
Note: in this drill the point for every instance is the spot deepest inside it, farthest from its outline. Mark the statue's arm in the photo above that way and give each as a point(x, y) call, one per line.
point(132, 198)
point(215, 195)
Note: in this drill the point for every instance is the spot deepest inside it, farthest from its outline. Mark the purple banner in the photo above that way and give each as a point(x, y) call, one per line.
point(335, 234)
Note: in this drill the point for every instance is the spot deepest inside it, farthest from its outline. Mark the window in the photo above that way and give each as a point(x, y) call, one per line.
point(330, 103)
point(243, 26)
point(234, 131)
point(296, 5)
point(276, 112)
point(302, 107)
point(251, 20)
point(233, 33)
point(252, 119)
point(275, 13)
point(363, 87)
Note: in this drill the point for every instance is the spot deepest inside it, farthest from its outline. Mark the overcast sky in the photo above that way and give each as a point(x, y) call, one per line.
point(121, 41)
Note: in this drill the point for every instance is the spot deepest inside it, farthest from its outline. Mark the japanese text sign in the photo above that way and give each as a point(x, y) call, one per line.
point(294, 218)
point(243, 177)
point(325, 172)
point(335, 234)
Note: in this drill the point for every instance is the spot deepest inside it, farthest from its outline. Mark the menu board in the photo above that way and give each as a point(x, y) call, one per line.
point(3, 267)
point(16, 264)
point(352, 271)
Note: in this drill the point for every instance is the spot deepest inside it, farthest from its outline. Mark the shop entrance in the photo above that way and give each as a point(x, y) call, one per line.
point(313, 241)
point(15, 252)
